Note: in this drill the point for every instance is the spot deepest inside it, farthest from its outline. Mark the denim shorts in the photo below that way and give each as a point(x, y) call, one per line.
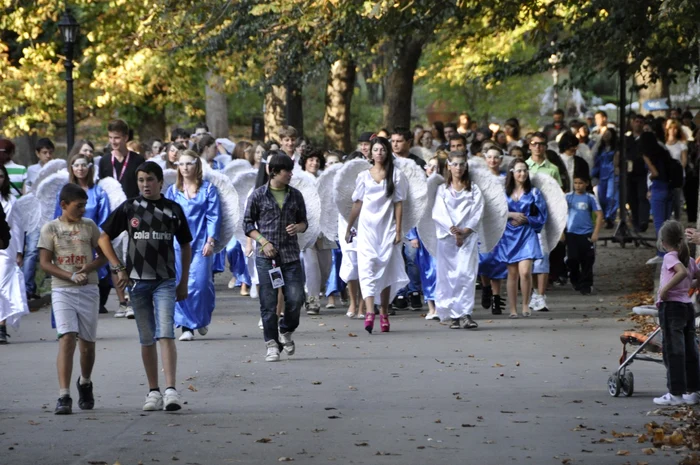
point(153, 302)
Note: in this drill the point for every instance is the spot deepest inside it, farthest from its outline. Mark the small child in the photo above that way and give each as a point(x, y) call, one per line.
point(677, 318)
point(581, 235)
point(66, 247)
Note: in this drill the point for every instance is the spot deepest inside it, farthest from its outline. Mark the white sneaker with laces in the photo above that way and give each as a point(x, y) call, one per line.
point(286, 341)
point(154, 401)
point(171, 400)
point(541, 303)
point(669, 399)
point(187, 336)
point(534, 298)
point(273, 351)
point(203, 331)
point(129, 312)
point(121, 312)
point(691, 399)
point(312, 305)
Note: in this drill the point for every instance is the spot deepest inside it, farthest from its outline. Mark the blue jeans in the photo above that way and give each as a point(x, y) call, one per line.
point(661, 200)
point(412, 270)
point(680, 350)
point(153, 302)
point(31, 256)
point(293, 291)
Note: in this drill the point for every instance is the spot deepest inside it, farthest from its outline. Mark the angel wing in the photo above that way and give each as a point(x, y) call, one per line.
point(417, 199)
point(51, 167)
point(169, 178)
point(158, 160)
point(47, 193)
point(224, 159)
point(422, 152)
point(228, 197)
point(329, 210)
point(344, 184)
point(495, 216)
point(477, 163)
point(505, 161)
point(306, 184)
point(28, 212)
point(426, 225)
point(235, 167)
point(244, 183)
point(114, 191)
point(557, 209)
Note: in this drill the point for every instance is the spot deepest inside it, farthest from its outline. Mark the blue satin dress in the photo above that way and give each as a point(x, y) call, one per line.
point(334, 284)
point(203, 213)
point(520, 242)
point(426, 266)
point(237, 262)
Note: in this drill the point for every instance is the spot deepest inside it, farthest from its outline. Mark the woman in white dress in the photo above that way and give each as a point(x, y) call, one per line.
point(457, 213)
point(378, 201)
point(13, 300)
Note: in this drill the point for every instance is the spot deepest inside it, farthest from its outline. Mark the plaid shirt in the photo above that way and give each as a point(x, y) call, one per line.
point(264, 214)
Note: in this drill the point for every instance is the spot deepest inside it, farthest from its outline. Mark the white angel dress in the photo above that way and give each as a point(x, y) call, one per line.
point(379, 261)
point(457, 267)
point(13, 299)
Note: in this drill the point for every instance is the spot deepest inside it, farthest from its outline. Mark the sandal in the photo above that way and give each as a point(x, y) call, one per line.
point(369, 322)
point(513, 316)
point(349, 314)
point(527, 314)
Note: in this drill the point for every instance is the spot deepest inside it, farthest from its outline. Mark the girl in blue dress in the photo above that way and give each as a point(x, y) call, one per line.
point(200, 201)
point(605, 169)
point(519, 247)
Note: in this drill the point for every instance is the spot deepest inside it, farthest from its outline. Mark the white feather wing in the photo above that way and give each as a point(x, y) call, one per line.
point(344, 184)
point(114, 191)
point(169, 178)
point(495, 216)
point(51, 167)
point(28, 211)
point(228, 198)
point(244, 183)
point(329, 210)
point(557, 209)
point(422, 152)
point(47, 193)
point(426, 226)
point(235, 167)
point(416, 201)
point(306, 184)
point(224, 159)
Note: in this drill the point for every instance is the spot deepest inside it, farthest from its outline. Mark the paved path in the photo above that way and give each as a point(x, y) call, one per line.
point(515, 391)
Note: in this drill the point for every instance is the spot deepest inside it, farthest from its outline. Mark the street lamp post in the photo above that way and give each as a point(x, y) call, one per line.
point(554, 60)
point(69, 31)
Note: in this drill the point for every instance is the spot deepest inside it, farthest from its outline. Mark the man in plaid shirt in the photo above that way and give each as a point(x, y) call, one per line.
point(275, 214)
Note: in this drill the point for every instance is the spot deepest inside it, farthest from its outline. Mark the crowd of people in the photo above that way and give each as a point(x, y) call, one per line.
point(150, 222)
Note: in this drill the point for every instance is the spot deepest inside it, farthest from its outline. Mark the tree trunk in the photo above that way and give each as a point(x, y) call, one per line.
point(652, 90)
point(216, 107)
point(399, 82)
point(275, 105)
point(339, 90)
point(152, 124)
point(295, 110)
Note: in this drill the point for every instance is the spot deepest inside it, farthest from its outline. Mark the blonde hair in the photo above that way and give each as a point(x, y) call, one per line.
point(90, 178)
point(673, 124)
point(198, 171)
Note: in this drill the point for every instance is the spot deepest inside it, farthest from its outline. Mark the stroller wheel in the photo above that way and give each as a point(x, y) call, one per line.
point(614, 385)
point(627, 384)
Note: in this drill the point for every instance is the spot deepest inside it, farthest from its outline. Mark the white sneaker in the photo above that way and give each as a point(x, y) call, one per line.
point(286, 341)
point(541, 304)
point(691, 399)
point(232, 283)
point(533, 299)
point(154, 401)
point(668, 399)
point(171, 400)
point(121, 312)
point(203, 331)
point(273, 351)
point(254, 291)
point(187, 336)
point(312, 306)
point(130, 312)
point(260, 324)
point(656, 260)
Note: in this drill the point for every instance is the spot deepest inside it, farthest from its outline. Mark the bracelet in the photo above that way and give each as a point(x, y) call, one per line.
point(259, 238)
point(117, 268)
point(262, 246)
point(72, 278)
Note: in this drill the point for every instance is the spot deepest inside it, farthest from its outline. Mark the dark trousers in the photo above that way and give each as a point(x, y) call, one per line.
point(638, 202)
point(580, 259)
point(679, 347)
point(293, 291)
point(690, 192)
point(557, 267)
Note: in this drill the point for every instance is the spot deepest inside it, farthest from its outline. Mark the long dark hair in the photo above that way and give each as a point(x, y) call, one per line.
point(388, 163)
point(510, 178)
point(554, 158)
point(5, 186)
point(613, 141)
point(465, 176)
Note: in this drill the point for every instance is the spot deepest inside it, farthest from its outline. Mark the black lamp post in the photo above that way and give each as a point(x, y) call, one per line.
point(69, 31)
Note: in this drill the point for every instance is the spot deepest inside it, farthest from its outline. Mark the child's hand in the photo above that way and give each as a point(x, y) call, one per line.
point(663, 294)
point(594, 238)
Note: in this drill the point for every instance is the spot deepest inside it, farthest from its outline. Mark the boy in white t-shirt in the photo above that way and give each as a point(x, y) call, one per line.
point(66, 247)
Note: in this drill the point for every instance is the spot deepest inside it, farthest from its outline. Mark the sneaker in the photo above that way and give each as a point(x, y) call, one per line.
point(130, 312)
point(431, 317)
point(121, 311)
point(187, 336)
point(260, 324)
point(540, 305)
point(585, 290)
point(203, 331)
point(468, 322)
point(287, 343)
point(312, 306)
point(669, 399)
point(455, 324)
point(691, 399)
point(273, 351)
point(655, 261)
point(400, 302)
point(534, 298)
point(3, 334)
point(486, 297)
point(64, 406)
point(497, 305)
point(232, 283)
point(103, 310)
point(86, 401)
point(416, 301)
point(171, 400)
point(154, 401)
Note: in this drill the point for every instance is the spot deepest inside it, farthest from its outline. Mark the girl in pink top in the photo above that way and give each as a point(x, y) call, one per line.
point(677, 318)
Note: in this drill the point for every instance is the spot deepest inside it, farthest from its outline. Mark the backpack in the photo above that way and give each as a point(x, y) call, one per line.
point(675, 174)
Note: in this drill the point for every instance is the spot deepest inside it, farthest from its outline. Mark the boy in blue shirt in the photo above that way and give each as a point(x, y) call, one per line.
point(581, 235)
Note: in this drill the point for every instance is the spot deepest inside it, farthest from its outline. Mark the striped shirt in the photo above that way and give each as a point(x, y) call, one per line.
point(18, 176)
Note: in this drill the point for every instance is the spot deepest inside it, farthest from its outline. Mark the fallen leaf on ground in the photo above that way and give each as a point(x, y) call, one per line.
point(263, 440)
point(192, 388)
point(285, 459)
point(352, 334)
point(316, 382)
point(649, 451)
point(623, 452)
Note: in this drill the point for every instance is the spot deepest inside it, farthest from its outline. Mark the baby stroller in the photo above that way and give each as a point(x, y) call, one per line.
point(648, 349)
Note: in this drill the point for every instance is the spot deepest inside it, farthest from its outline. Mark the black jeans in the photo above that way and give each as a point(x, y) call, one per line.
point(638, 202)
point(580, 259)
point(293, 291)
point(680, 348)
point(690, 192)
